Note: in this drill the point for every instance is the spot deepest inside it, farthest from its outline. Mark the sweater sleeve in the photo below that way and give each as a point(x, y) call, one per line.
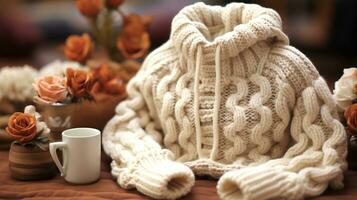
point(138, 159)
point(316, 156)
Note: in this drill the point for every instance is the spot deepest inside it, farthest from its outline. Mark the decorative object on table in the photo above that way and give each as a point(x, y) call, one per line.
point(81, 98)
point(123, 36)
point(122, 42)
point(14, 95)
point(29, 157)
point(227, 96)
point(16, 83)
point(345, 93)
point(86, 94)
point(82, 155)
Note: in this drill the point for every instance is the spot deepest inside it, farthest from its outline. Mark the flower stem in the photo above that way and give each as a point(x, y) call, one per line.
point(95, 29)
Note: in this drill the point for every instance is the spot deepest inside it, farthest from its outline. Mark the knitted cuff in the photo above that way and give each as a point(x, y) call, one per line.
point(254, 183)
point(161, 178)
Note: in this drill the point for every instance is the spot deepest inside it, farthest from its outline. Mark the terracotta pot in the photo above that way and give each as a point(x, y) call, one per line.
point(93, 114)
point(30, 163)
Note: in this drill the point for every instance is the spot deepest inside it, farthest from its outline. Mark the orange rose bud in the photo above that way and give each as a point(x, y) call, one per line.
point(22, 127)
point(134, 40)
point(351, 118)
point(79, 82)
point(113, 4)
point(89, 8)
point(78, 48)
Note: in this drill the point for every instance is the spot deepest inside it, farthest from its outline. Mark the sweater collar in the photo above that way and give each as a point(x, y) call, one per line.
point(234, 28)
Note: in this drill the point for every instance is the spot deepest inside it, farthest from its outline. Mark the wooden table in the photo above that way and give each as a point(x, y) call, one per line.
point(106, 187)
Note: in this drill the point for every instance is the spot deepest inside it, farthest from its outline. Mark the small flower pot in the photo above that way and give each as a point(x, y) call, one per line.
point(29, 162)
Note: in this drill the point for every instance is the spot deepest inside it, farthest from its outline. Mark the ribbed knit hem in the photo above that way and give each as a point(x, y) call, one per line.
point(160, 178)
point(253, 183)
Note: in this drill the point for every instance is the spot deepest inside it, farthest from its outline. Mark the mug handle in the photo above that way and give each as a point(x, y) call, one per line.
point(53, 151)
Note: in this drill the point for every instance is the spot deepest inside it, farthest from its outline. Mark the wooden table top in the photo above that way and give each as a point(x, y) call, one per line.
point(106, 187)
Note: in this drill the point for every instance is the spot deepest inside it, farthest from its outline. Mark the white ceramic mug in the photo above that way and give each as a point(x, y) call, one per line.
point(81, 148)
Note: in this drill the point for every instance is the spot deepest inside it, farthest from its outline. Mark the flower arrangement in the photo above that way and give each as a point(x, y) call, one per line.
point(94, 79)
point(31, 138)
point(84, 89)
point(129, 41)
point(14, 90)
point(57, 89)
point(79, 84)
point(78, 97)
point(27, 128)
point(345, 94)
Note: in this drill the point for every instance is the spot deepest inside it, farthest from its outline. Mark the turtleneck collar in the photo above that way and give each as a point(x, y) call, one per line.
point(234, 28)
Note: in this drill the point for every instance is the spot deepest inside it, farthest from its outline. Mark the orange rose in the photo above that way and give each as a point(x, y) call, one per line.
point(134, 40)
point(106, 82)
point(79, 82)
point(351, 118)
point(78, 48)
point(22, 127)
point(89, 8)
point(102, 73)
point(51, 88)
point(113, 4)
point(114, 88)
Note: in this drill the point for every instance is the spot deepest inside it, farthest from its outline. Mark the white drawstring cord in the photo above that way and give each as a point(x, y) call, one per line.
point(217, 103)
point(196, 102)
point(216, 106)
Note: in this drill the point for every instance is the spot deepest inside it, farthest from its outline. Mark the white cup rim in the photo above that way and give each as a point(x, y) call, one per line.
point(72, 132)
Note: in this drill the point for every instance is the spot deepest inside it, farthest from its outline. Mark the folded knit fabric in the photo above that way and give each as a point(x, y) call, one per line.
point(228, 97)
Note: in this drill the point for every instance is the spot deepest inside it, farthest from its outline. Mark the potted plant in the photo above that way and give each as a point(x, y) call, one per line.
point(29, 157)
point(80, 98)
point(345, 94)
point(85, 90)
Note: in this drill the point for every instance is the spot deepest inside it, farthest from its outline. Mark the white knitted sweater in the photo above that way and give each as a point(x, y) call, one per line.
point(228, 97)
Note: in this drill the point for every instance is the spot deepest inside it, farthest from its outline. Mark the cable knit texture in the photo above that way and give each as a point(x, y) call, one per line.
point(226, 96)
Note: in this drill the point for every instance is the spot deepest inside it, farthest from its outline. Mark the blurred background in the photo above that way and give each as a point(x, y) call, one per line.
point(33, 31)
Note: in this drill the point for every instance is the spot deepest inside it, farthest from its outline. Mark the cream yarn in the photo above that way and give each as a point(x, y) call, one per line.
point(227, 96)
